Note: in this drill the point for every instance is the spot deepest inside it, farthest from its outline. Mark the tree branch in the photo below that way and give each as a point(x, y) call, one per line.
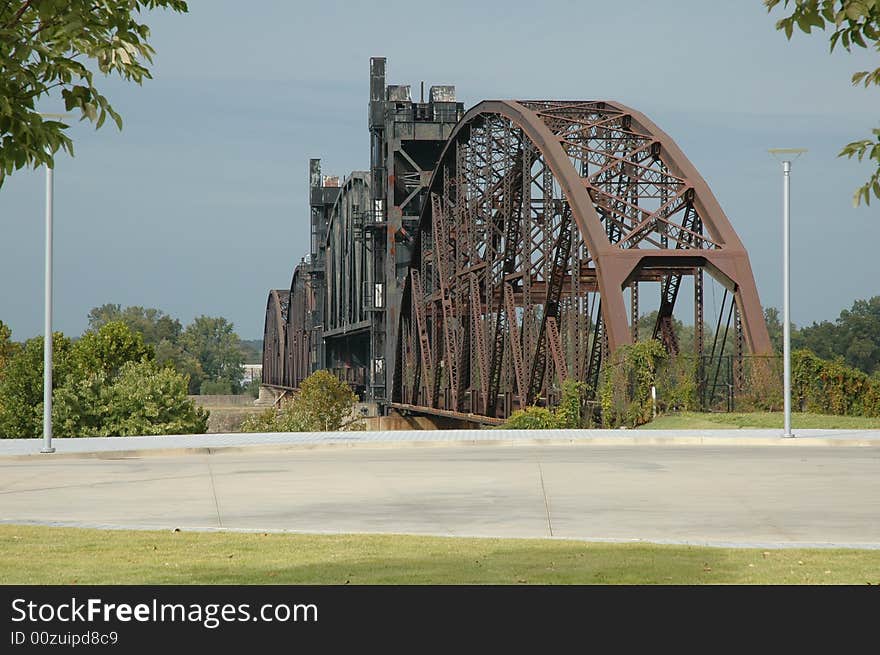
point(18, 14)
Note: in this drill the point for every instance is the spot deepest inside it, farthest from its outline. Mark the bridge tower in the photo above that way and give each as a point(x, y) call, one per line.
point(406, 140)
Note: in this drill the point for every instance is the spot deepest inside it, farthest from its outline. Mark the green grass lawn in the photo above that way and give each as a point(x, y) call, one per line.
point(700, 421)
point(40, 555)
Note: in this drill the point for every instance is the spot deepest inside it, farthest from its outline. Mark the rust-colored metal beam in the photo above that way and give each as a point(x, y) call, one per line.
point(540, 214)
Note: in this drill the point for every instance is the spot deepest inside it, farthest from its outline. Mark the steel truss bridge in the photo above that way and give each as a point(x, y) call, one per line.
point(488, 255)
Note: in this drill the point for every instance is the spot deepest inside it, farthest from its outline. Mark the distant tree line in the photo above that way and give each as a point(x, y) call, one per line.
point(106, 383)
point(853, 338)
point(208, 350)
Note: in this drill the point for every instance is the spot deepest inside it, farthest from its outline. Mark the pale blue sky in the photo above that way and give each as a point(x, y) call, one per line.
point(199, 205)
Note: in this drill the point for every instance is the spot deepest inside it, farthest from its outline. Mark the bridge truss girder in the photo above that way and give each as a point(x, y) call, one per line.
point(541, 213)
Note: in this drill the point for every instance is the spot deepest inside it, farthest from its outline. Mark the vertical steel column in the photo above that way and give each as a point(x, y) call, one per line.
point(634, 310)
point(786, 295)
point(47, 328)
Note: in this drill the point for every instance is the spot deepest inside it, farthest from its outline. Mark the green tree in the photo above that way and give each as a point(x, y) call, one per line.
point(853, 337)
point(153, 324)
point(172, 355)
point(252, 349)
point(104, 384)
point(143, 399)
point(213, 342)
point(323, 403)
point(21, 386)
point(108, 349)
point(78, 405)
point(7, 345)
point(48, 46)
point(861, 334)
point(774, 327)
point(146, 399)
point(856, 23)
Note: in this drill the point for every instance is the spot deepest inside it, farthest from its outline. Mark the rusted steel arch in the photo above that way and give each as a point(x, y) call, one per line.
point(732, 265)
point(274, 337)
point(347, 270)
point(729, 264)
point(298, 331)
point(498, 265)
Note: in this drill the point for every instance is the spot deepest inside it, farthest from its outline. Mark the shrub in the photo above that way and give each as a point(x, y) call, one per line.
point(569, 414)
point(252, 388)
point(147, 399)
point(215, 388)
point(625, 383)
point(265, 421)
point(21, 386)
point(762, 388)
point(105, 384)
point(676, 382)
point(531, 418)
point(323, 403)
point(108, 349)
point(832, 387)
point(143, 399)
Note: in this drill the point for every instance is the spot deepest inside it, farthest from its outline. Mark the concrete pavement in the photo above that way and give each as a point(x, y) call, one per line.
point(798, 495)
point(209, 443)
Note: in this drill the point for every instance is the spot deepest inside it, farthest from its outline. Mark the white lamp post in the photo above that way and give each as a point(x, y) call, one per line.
point(47, 326)
point(786, 155)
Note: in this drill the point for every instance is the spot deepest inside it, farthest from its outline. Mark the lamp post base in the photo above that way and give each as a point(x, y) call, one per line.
point(47, 450)
point(790, 435)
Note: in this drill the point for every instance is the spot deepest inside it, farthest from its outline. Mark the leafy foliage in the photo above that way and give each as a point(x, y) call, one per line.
point(21, 385)
point(143, 399)
point(774, 327)
point(569, 414)
point(856, 23)
point(625, 384)
point(675, 380)
point(108, 349)
point(172, 355)
point(853, 337)
point(216, 346)
point(252, 388)
point(252, 350)
point(158, 330)
point(215, 388)
point(832, 387)
point(762, 385)
point(208, 351)
point(49, 45)
point(531, 418)
point(148, 399)
point(7, 345)
point(104, 384)
point(154, 325)
point(323, 403)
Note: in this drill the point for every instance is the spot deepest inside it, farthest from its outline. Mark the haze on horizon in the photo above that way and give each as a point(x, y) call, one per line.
point(200, 206)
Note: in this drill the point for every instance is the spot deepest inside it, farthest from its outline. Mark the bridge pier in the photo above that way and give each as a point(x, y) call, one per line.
point(269, 396)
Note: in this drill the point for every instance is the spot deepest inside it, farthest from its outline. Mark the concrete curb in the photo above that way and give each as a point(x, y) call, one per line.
point(622, 440)
point(707, 543)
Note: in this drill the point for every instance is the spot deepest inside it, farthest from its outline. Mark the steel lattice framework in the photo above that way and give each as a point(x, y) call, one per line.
point(538, 215)
point(274, 331)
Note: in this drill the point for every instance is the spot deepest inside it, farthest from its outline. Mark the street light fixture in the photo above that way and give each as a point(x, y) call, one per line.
point(47, 326)
point(786, 155)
